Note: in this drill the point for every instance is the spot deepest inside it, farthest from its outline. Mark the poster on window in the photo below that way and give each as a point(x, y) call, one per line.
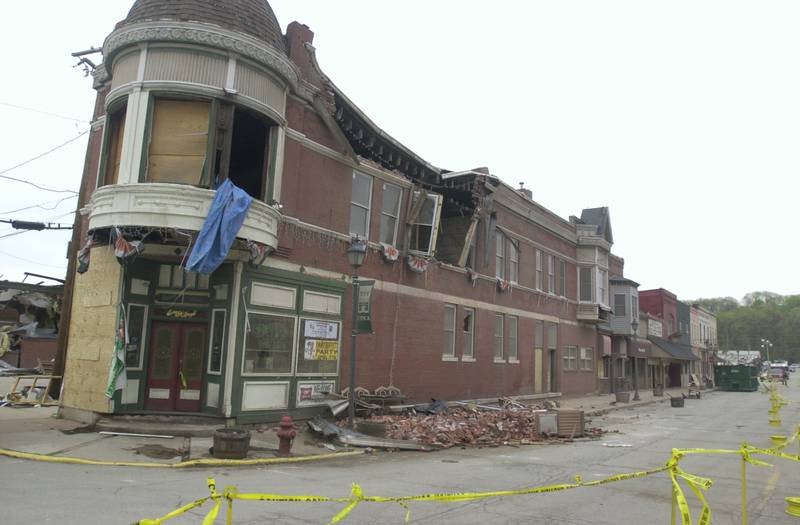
point(313, 393)
point(321, 329)
point(318, 350)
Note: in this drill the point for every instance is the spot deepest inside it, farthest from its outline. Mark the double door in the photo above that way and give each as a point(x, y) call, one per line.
point(175, 369)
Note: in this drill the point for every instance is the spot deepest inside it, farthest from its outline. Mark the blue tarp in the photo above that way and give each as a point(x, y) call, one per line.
point(224, 219)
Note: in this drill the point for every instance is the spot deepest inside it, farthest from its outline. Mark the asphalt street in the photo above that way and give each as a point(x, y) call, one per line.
point(34, 492)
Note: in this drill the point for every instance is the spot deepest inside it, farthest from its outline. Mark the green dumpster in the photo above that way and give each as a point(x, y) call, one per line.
point(736, 378)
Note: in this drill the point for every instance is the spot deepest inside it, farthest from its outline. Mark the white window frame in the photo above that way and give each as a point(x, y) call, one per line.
point(451, 352)
point(586, 359)
point(499, 255)
point(294, 345)
point(356, 175)
point(214, 311)
point(437, 212)
point(513, 327)
point(499, 340)
point(551, 274)
point(562, 278)
point(602, 286)
point(513, 262)
point(140, 366)
point(469, 336)
point(297, 349)
point(388, 213)
point(570, 358)
point(590, 273)
point(539, 271)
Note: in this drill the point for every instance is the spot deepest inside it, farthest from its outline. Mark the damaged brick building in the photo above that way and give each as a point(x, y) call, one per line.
point(480, 291)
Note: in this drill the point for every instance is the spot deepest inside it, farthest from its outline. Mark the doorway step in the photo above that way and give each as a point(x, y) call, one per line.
point(164, 423)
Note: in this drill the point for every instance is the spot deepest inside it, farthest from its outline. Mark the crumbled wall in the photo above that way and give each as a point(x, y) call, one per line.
point(91, 336)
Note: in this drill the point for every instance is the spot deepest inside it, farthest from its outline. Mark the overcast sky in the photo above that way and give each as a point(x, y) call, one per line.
point(683, 117)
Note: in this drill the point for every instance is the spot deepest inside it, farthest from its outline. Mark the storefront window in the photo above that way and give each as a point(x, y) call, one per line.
point(269, 344)
point(319, 347)
point(217, 341)
point(136, 322)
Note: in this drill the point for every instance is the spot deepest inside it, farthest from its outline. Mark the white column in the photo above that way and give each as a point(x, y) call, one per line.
point(230, 356)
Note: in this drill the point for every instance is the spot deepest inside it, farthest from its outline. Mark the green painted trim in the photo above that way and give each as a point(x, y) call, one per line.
point(294, 278)
point(269, 191)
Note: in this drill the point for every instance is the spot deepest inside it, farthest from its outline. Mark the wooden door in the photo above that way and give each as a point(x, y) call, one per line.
point(190, 367)
point(175, 371)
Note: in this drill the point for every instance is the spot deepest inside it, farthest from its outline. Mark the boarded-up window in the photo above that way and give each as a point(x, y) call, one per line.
point(116, 132)
point(178, 141)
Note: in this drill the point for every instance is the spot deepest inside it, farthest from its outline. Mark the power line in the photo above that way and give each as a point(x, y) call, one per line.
point(31, 262)
point(44, 112)
point(39, 157)
point(40, 205)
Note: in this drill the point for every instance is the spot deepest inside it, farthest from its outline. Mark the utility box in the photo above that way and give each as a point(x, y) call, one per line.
point(547, 423)
point(736, 378)
point(571, 423)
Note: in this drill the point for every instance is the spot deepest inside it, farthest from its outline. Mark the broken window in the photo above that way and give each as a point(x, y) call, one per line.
point(115, 121)
point(390, 212)
point(249, 151)
point(360, 202)
point(469, 333)
point(425, 226)
point(513, 262)
point(178, 141)
point(500, 256)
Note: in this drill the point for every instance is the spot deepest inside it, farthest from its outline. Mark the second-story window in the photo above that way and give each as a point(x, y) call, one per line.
point(500, 256)
point(513, 262)
point(425, 226)
point(539, 270)
point(551, 274)
point(115, 123)
point(585, 284)
point(390, 212)
point(562, 279)
point(178, 142)
point(602, 287)
point(360, 202)
point(619, 305)
point(635, 307)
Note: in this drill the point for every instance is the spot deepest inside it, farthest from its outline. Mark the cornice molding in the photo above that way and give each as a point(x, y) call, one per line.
point(211, 36)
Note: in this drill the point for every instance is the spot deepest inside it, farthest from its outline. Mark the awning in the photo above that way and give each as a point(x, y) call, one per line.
point(675, 350)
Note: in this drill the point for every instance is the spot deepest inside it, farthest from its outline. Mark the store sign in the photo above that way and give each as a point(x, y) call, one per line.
point(364, 311)
point(318, 350)
point(321, 329)
point(316, 393)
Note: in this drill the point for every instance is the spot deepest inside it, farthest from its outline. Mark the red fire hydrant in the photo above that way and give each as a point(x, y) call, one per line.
point(286, 434)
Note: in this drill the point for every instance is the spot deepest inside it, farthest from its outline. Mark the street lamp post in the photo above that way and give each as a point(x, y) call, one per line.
point(355, 256)
point(634, 329)
point(766, 344)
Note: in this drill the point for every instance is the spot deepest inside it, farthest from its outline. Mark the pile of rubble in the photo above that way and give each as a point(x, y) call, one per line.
point(470, 425)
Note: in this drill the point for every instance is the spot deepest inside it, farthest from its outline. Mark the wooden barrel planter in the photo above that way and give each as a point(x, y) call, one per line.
point(658, 391)
point(676, 402)
point(623, 397)
point(231, 443)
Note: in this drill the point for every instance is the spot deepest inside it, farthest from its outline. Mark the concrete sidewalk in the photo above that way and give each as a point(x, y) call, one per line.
point(37, 430)
point(599, 404)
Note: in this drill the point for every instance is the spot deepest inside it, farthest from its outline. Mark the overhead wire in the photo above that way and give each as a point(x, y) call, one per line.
point(54, 190)
point(40, 205)
point(32, 262)
point(43, 112)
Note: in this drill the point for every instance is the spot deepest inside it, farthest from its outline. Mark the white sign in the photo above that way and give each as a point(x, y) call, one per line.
point(321, 330)
point(313, 393)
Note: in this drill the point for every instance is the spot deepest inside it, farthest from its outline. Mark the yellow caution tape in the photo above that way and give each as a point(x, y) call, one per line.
point(183, 464)
point(793, 508)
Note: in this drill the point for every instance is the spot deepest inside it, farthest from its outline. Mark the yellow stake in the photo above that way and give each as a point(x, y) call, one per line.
point(744, 491)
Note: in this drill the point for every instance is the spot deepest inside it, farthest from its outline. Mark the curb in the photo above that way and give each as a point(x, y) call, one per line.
point(184, 464)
